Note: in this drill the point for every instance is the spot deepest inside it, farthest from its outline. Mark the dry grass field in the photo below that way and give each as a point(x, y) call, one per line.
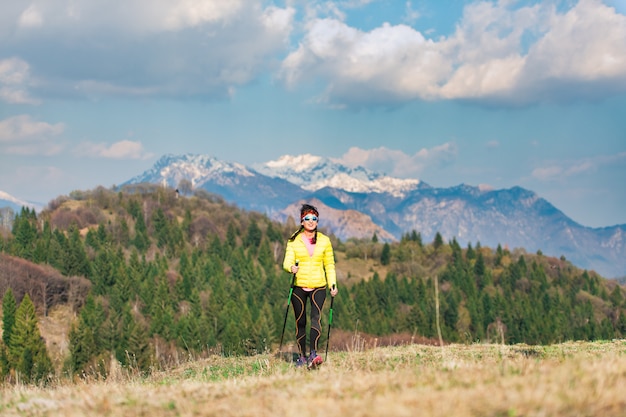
point(570, 379)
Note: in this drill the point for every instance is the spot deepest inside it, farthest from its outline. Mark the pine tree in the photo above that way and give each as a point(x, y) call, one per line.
point(345, 314)
point(42, 245)
point(25, 233)
point(231, 236)
point(438, 242)
point(499, 255)
point(416, 237)
point(272, 233)
point(253, 237)
point(162, 310)
point(385, 256)
point(141, 240)
point(92, 240)
point(123, 233)
point(263, 331)
point(470, 253)
point(265, 256)
point(62, 247)
point(103, 276)
point(189, 327)
point(161, 228)
point(75, 260)
point(102, 236)
point(27, 350)
point(479, 267)
point(186, 271)
point(617, 299)
point(9, 308)
point(82, 347)
point(85, 342)
point(139, 351)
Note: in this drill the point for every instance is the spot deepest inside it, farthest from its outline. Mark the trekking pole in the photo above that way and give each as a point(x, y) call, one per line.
point(293, 280)
point(330, 323)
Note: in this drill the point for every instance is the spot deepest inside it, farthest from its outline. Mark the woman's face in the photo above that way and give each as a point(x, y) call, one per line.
point(309, 221)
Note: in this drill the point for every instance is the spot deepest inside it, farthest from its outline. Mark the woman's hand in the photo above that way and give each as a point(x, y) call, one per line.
point(333, 291)
point(294, 269)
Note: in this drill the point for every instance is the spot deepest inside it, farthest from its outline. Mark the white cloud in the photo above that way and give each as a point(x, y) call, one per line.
point(497, 54)
point(279, 21)
point(191, 13)
point(14, 82)
point(23, 127)
point(145, 47)
point(587, 43)
point(547, 173)
point(412, 15)
point(124, 149)
point(31, 17)
point(21, 135)
point(130, 16)
point(394, 62)
point(583, 54)
point(397, 163)
point(558, 171)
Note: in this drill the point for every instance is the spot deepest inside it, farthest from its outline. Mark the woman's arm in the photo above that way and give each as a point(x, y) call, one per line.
point(329, 265)
point(290, 257)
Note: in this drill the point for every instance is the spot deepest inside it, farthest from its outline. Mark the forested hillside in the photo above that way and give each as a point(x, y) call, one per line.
point(152, 275)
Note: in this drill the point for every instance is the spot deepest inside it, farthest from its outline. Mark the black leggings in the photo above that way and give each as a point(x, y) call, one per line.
point(298, 300)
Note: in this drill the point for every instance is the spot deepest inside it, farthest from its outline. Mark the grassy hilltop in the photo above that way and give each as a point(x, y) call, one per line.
point(570, 379)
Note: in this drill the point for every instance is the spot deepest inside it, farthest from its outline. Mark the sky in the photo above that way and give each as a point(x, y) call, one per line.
point(494, 94)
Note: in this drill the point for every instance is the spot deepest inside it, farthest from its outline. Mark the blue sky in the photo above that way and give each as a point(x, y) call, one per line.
point(490, 93)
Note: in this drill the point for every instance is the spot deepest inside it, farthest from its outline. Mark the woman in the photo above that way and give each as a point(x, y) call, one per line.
point(309, 256)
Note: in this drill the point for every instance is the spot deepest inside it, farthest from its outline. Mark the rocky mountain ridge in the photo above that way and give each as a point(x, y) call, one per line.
point(355, 202)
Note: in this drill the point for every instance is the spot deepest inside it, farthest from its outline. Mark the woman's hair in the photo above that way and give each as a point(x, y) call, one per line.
point(304, 210)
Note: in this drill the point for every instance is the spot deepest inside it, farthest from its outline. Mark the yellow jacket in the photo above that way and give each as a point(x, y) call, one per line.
point(313, 271)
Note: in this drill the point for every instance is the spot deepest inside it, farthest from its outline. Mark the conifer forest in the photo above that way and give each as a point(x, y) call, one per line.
point(152, 275)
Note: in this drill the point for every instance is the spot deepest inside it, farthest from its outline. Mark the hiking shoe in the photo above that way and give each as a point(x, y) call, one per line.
point(301, 361)
point(314, 360)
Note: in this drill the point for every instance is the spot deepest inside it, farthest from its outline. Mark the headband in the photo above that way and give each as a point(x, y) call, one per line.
point(311, 211)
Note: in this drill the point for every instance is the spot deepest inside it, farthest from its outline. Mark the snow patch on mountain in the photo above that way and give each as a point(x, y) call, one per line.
point(313, 172)
point(9, 197)
point(197, 169)
point(16, 203)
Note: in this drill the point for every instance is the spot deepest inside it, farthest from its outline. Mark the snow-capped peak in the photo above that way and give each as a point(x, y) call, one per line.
point(9, 197)
point(198, 169)
point(17, 202)
point(313, 172)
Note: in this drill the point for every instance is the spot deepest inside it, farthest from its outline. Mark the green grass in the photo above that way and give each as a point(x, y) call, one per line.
point(569, 379)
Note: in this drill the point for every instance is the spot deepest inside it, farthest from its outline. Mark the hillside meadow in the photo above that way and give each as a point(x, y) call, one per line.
point(569, 379)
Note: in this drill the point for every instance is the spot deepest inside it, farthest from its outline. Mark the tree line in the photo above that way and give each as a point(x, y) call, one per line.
point(152, 274)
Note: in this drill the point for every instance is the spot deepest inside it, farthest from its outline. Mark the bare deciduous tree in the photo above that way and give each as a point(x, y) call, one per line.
point(45, 285)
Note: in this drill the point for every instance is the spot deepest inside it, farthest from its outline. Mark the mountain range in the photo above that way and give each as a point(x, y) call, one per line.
point(356, 202)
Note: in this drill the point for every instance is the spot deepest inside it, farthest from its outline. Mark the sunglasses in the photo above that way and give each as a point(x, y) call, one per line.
point(309, 218)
